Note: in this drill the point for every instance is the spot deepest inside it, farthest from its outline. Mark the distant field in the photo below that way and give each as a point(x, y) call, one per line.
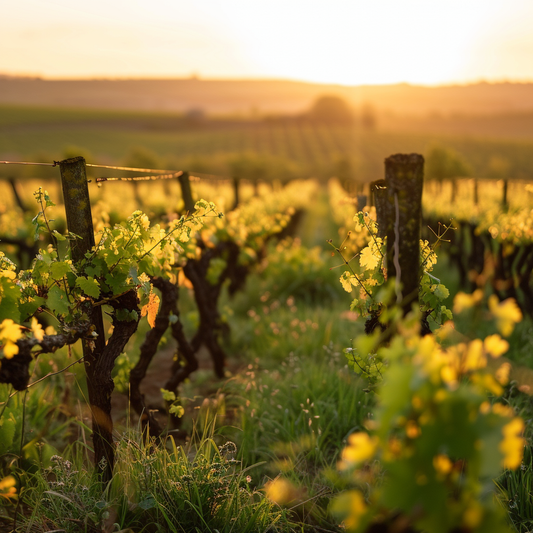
point(206, 145)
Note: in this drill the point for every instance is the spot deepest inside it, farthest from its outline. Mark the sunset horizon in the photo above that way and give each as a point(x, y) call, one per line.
point(338, 42)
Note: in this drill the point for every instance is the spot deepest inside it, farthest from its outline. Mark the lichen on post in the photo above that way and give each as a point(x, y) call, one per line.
point(77, 205)
point(79, 222)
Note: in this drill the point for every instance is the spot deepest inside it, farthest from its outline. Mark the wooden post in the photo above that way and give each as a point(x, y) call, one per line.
point(453, 194)
point(476, 192)
point(79, 221)
point(404, 175)
point(236, 192)
point(379, 193)
point(186, 193)
point(361, 202)
point(505, 203)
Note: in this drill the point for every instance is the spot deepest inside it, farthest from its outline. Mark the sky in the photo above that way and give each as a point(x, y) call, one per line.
point(348, 42)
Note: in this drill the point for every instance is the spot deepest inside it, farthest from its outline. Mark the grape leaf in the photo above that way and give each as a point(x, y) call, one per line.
point(151, 309)
point(28, 308)
point(9, 297)
point(89, 286)
point(58, 269)
point(176, 410)
point(57, 300)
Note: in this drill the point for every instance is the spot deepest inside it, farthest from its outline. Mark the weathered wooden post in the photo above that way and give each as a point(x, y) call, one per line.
point(186, 193)
point(379, 193)
point(505, 202)
point(236, 192)
point(404, 174)
point(79, 221)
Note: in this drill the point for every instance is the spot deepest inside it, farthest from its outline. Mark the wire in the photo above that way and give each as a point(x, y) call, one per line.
point(132, 169)
point(54, 164)
point(155, 174)
point(143, 178)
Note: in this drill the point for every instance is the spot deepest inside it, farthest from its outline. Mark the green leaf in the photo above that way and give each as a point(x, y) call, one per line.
point(168, 395)
point(93, 270)
point(176, 410)
point(89, 286)
point(9, 298)
point(57, 301)
point(133, 274)
point(446, 313)
point(147, 503)
point(123, 315)
point(59, 269)
point(48, 201)
point(117, 281)
point(8, 426)
point(28, 309)
point(58, 236)
point(440, 291)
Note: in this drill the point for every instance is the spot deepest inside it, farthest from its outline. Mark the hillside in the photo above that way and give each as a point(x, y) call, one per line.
point(263, 96)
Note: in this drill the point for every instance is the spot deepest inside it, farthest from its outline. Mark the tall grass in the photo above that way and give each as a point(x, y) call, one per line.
point(156, 488)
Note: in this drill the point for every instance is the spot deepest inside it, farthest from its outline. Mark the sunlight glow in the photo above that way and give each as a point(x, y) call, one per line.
point(335, 41)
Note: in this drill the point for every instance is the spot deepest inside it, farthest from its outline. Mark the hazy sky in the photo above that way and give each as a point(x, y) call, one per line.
point(335, 41)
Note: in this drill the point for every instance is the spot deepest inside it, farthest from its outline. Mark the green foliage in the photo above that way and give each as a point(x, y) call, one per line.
point(123, 259)
point(291, 269)
point(198, 488)
point(141, 157)
point(445, 163)
point(369, 279)
point(331, 109)
point(66, 497)
point(428, 457)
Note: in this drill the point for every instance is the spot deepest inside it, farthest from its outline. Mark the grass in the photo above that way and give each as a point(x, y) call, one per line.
point(155, 488)
point(285, 414)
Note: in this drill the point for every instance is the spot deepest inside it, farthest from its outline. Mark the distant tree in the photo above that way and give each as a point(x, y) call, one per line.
point(348, 170)
point(331, 109)
point(444, 163)
point(499, 167)
point(76, 151)
point(141, 157)
point(368, 117)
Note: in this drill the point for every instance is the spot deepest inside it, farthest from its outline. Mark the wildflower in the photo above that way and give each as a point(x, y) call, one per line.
point(7, 488)
point(9, 334)
point(281, 491)
point(506, 313)
point(442, 464)
point(360, 448)
point(464, 301)
point(512, 445)
point(495, 345)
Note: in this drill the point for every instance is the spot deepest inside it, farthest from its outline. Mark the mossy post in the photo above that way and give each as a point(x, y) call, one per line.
point(186, 192)
point(404, 175)
point(79, 221)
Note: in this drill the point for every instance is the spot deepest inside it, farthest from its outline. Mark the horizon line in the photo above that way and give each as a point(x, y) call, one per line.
point(196, 77)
